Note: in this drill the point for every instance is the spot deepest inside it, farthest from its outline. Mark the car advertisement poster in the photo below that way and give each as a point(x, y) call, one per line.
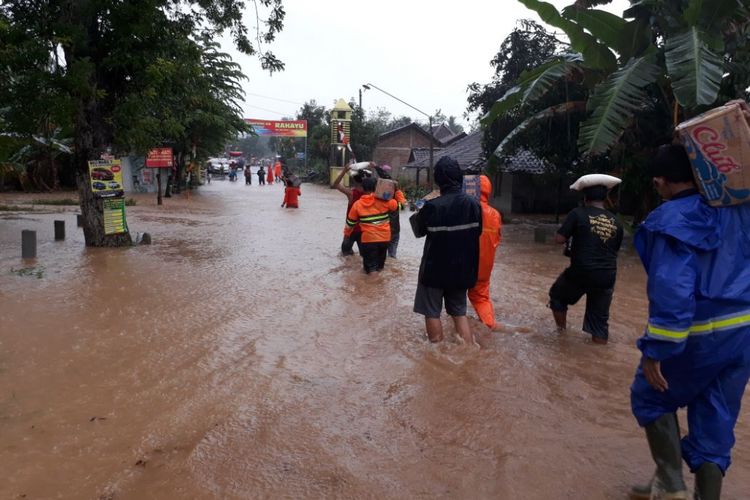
point(114, 216)
point(106, 178)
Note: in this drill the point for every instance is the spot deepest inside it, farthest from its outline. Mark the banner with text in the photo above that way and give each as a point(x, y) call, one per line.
point(279, 128)
point(159, 158)
point(114, 216)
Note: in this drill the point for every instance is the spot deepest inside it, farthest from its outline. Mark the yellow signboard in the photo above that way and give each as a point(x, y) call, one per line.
point(106, 178)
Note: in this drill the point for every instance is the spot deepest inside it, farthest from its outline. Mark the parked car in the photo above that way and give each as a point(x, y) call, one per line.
point(102, 174)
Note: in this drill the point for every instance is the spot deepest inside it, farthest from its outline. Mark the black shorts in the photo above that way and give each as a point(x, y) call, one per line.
point(429, 301)
point(597, 286)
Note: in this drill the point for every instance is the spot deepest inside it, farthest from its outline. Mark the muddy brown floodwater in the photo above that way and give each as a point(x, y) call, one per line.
point(240, 356)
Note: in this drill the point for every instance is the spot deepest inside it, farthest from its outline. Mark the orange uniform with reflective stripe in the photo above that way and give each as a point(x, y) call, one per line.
point(488, 243)
point(372, 215)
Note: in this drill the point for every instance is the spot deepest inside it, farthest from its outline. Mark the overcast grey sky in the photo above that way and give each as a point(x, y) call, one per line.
point(424, 52)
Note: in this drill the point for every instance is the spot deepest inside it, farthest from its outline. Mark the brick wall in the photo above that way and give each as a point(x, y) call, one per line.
point(395, 150)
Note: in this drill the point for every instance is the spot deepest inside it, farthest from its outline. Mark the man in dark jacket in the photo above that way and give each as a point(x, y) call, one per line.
point(452, 223)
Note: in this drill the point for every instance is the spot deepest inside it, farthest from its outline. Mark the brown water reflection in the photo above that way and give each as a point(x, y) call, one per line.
point(240, 357)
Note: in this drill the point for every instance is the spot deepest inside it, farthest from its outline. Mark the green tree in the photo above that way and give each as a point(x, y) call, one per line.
point(111, 48)
point(642, 73)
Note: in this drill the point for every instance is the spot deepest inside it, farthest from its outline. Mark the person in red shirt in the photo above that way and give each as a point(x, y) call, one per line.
point(492, 225)
point(373, 217)
point(291, 192)
point(269, 179)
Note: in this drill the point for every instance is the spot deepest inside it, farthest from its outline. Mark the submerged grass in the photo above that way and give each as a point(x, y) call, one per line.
point(63, 201)
point(14, 208)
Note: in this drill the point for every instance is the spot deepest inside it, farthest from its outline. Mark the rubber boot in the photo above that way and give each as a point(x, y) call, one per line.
point(663, 436)
point(708, 480)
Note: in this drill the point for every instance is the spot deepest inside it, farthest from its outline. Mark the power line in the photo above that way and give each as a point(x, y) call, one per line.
point(269, 110)
point(275, 99)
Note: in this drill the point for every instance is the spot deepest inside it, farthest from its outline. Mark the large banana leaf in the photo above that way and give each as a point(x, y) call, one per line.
point(605, 26)
point(695, 70)
point(596, 55)
point(614, 102)
point(533, 84)
point(558, 109)
point(707, 13)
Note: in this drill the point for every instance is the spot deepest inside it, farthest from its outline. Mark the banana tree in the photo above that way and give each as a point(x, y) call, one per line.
point(670, 56)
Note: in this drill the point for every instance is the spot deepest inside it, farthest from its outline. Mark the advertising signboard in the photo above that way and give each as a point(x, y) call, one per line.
point(106, 178)
point(279, 128)
point(114, 216)
point(159, 158)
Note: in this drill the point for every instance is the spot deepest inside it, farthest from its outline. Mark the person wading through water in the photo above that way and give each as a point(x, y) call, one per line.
point(353, 193)
point(596, 238)
point(492, 224)
point(452, 223)
point(696, 345)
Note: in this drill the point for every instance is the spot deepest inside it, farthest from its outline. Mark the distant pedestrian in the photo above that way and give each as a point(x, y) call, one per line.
point(269, 180)
point(248, 176)
point(452, 223)
point(261, 176)
point(291, 193)
point(277, 171)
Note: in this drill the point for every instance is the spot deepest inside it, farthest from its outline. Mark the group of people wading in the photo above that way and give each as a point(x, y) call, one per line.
point(695, 350)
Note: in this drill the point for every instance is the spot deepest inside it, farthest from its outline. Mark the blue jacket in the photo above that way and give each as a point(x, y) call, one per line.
point(697, 258)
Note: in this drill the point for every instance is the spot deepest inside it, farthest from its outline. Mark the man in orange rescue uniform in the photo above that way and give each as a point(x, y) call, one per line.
point(488, 242)
point(373, 216)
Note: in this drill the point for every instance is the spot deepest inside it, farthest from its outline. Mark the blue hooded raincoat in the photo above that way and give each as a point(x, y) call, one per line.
point(698, 263)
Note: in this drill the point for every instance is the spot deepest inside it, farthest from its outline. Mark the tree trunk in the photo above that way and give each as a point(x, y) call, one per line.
point(89, 144)
point(158, 188)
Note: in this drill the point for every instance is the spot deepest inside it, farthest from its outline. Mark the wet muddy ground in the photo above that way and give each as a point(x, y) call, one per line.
point(240, 356)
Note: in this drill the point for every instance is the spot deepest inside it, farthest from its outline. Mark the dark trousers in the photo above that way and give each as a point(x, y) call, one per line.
point(347, 246)
point(373, 255)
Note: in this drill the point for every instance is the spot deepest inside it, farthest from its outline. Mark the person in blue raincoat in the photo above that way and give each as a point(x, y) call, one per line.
point(696, 346)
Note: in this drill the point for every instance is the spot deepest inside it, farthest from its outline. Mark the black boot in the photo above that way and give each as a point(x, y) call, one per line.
point(663, 436)
point(708, 482)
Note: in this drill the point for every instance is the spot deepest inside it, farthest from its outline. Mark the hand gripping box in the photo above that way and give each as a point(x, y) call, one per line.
point(385, 189)
point(718, 144)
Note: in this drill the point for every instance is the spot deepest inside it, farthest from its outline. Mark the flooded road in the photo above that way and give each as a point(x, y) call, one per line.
point(240, 356)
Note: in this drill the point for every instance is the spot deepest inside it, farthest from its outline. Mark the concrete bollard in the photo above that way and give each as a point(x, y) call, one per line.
point(79, 220)
point(28, 244)
point(59, 230)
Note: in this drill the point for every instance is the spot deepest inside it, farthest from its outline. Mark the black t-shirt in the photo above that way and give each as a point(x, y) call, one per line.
point(596, 238)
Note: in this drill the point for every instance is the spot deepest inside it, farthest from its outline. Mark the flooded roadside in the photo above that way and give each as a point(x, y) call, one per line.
point(240, 357)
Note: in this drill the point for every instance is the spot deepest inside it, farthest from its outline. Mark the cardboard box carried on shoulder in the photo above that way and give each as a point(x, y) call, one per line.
point(296, 181)
point(385, 189)
point(718, 144)
point(472, 186)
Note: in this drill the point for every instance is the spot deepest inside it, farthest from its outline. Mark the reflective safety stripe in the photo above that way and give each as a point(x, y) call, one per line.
point(665, 334)
point(722, 323)
point(374, 218)
point(351, 223)
point(704, 327)
point(435, 229)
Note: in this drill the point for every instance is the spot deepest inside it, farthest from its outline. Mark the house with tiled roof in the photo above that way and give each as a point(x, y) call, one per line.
point(467, 151)
point(394, 147)
point(525, 183)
